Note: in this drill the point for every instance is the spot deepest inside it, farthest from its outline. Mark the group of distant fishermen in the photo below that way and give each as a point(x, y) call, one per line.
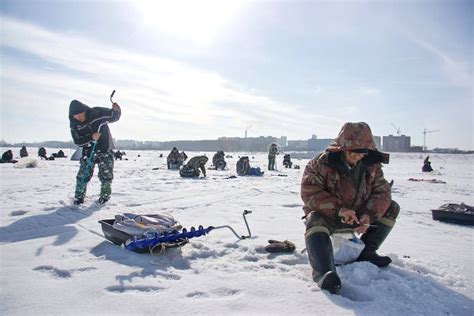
point(7, 156)
point(196, 165)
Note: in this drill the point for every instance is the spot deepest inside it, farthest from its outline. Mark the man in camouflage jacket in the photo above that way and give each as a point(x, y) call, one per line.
point(194, 167)
point(342, 188)
point(174, 159)
point(84, 123)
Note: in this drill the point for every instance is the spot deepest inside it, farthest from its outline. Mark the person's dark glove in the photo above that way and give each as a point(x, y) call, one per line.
point(275, 246)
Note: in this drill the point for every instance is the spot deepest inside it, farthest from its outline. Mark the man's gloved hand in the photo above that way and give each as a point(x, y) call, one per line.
point(275, 246)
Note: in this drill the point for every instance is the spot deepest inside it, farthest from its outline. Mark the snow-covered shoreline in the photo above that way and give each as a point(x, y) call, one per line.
point(54, 259)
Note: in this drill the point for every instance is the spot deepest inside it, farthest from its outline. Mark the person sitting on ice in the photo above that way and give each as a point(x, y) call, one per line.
point(7, 157)
point(243, 166)
point(344, 187)
point(218, 160)
point(42, 153)
point(287, 161)
point(427, 165)
point(244, 169)
point(23, 152)
point(59, 154)
point(194, 167)
point(174, 159)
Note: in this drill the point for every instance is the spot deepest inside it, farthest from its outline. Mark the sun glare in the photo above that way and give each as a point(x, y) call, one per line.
point(198, 21)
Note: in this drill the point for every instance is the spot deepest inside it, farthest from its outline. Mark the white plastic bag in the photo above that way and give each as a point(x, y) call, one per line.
point(346, 248)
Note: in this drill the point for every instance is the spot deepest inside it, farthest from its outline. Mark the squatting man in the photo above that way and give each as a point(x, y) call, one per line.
point(342, 188)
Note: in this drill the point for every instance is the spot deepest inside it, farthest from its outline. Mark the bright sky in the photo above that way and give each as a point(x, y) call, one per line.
point(204, 69)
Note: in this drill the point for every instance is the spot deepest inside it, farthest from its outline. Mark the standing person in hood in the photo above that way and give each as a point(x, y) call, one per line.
point(84, 122)
point(342, 188)
point(272, 152)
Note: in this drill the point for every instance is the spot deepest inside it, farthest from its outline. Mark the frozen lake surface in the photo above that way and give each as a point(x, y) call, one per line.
point(55, 260)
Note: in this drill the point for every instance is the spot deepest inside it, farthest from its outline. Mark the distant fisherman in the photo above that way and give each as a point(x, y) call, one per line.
point(272, 152)
point(84, 123)
point(427, 165)
point(174, 159)
point(194, 167)
point(23, 152)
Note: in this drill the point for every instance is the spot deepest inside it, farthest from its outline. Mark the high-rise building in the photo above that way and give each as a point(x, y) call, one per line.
point(400, 143)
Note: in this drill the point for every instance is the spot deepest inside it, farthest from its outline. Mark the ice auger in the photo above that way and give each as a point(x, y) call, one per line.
point(155, 239)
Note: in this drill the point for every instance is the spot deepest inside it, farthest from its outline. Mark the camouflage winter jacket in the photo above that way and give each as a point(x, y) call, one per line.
point(326, 186)
point(174, 157)
point(273, 151)
point(194, 166)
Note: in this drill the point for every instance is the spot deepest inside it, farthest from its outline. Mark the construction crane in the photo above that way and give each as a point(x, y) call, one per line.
point(396, 128)
point(425, 131)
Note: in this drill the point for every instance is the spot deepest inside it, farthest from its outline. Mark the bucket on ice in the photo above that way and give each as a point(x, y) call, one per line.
point(346, 247)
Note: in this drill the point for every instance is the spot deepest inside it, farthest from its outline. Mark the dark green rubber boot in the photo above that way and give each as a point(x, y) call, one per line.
point(321, 259)
point(372, 239)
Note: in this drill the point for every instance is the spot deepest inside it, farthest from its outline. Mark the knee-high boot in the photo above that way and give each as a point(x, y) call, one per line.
point(372, 239)
point(376, 235)
point(321, 258)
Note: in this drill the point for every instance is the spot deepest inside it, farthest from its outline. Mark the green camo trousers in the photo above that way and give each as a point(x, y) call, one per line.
point(271, 162)
point(318, 222)
point(105, 161)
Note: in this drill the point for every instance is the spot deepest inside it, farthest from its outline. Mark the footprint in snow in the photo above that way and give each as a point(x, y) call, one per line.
point(18, 213)
point(59, 273)
point(197, 294)
point(222, 292)
point(54, 272)
point(137, 288)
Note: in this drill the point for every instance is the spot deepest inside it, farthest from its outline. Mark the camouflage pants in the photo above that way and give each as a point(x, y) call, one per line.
point(105, 161)
point(318, 222)
point(271, 162)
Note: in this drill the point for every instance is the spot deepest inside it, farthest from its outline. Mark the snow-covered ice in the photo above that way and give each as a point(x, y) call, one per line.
point(55, 260)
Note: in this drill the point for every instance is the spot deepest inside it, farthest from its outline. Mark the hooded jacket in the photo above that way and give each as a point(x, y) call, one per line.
point(82, 131)
point(326, 186)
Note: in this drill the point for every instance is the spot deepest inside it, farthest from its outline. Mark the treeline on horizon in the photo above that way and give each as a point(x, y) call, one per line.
point(225, 144)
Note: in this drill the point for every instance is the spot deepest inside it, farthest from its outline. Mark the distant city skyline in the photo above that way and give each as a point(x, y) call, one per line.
point(204, 69)
point(390, 143)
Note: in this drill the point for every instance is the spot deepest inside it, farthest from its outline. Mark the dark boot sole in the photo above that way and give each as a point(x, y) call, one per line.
point(330, 282)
